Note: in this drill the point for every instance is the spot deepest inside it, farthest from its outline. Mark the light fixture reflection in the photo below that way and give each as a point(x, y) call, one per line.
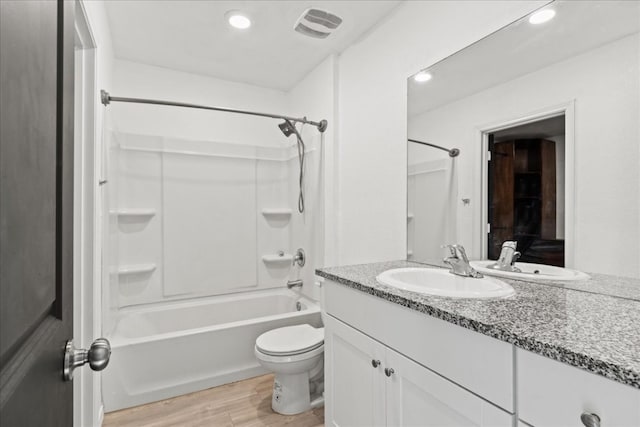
point(542, 16)
point(238, 20)
point(422, 77)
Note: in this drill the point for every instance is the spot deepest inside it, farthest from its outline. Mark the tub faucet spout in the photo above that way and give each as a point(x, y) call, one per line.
point(294, 284)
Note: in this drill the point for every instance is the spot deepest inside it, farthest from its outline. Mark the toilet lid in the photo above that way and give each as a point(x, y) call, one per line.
point(290, 340)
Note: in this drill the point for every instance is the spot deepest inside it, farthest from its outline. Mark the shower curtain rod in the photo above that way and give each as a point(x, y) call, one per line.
point(452, 152)
point(107, 99)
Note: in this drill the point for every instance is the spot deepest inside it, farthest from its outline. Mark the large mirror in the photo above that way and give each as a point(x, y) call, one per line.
point(532, 135)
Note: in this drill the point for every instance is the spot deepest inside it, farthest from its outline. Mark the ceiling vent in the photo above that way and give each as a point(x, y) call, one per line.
point(317, 23)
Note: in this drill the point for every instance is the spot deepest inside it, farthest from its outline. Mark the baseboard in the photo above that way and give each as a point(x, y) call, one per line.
point(100, 416)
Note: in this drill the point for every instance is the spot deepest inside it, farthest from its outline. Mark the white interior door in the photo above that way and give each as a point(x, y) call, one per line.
point(355, 385)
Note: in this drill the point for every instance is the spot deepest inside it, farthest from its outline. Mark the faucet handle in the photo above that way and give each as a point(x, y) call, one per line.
point(463, 253)
point(456, 250)
point(452, 250)
point(516, 255)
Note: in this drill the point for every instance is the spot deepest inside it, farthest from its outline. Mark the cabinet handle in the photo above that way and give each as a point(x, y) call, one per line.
point(375, 363)
point(590, 420)
point(388, 371)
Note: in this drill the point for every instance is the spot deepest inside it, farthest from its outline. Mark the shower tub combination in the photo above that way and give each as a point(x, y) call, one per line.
point(185, 346)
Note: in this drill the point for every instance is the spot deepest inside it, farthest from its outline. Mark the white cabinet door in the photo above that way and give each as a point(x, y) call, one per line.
point(354, 387)
point(416, 396)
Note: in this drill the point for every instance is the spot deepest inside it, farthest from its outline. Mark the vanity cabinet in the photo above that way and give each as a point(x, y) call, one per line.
point(388, 365)
point(370, 384)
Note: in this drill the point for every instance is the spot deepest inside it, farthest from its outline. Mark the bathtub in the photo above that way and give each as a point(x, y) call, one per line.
point(181, 347)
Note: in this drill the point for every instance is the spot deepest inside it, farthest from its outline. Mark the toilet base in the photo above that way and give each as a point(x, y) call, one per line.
point(291, 394)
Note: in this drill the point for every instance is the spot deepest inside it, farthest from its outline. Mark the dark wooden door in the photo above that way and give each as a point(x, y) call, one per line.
point(522, 200)
point(500, 193)
point(36, 210)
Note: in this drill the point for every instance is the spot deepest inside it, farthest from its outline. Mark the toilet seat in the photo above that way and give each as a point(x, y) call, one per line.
point(290, 340)
point(287, 360)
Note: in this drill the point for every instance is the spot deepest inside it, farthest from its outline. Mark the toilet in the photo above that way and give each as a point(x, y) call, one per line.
point(295, 354)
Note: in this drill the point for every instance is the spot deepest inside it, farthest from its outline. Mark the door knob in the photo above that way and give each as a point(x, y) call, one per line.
point(388, 371)
point(97, 356)
point(375, 363)
point(590, 420)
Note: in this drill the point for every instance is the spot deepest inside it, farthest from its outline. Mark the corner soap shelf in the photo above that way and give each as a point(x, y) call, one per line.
point(277, 259)
point(276, 212)
point(140, 213)
point(125, 270)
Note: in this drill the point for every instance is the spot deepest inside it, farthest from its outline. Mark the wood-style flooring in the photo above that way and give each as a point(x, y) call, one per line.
point(242, 404)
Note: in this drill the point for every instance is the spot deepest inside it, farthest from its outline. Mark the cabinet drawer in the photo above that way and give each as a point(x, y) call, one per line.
point(478, 363)
point(552, 393)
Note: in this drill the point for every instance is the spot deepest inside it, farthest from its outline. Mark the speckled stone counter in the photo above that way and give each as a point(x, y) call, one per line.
point(583, 328)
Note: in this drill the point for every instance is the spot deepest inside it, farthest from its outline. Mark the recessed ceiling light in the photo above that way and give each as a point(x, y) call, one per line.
point(542, 16)
point(422, 77)
point(238, 19)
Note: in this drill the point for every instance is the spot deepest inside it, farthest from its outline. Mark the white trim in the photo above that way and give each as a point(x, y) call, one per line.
point(87, 322)
point(100, 415)
point(568, 110)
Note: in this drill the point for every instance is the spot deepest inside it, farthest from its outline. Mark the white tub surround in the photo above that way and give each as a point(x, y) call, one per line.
point(164, 351)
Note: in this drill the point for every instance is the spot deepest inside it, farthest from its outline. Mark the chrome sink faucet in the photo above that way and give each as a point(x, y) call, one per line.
point(459, 262)
point(507, 258)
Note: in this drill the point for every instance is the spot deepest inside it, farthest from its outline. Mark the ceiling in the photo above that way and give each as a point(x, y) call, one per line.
point(194, 36)
point(522, 48)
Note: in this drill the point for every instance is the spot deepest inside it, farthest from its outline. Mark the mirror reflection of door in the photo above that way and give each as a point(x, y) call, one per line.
point(526, 191)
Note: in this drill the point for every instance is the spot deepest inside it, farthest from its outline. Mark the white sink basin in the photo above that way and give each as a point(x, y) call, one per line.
point(440, 282)
point(532, 272)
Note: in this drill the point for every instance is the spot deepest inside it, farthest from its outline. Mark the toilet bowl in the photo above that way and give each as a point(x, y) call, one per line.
point(295, 354)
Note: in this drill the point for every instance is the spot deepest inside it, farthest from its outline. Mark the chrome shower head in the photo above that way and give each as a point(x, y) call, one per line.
point(287, 128)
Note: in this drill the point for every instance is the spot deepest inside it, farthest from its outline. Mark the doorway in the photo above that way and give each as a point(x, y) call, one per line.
point(526, 190)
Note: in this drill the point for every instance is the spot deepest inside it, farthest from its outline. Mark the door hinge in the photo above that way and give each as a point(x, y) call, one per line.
point(488, 156)
point(488, 228)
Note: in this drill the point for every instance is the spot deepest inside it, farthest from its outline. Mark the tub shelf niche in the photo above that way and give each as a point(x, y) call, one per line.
point(277, 259)
point(134, 214)
point(129, 270)
point(277, 217)
point(273, 212)
point(133, 220)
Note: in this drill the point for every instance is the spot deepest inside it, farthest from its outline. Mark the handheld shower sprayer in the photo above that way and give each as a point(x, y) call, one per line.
point(288, 129)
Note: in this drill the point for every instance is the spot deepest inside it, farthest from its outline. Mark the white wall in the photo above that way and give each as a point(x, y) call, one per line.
point(373, 114)
point(315, 97)
point(604, 85)
point(137, 80)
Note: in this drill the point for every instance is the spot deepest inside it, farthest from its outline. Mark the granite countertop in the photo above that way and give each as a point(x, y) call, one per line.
point(589, 328)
